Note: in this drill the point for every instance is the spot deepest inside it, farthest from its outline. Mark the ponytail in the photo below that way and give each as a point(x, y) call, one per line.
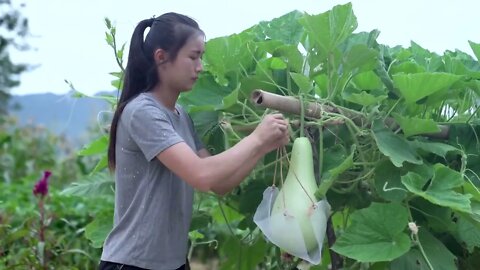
point(135, 82)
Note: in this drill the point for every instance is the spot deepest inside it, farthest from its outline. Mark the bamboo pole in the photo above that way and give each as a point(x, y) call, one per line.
point(287, 104)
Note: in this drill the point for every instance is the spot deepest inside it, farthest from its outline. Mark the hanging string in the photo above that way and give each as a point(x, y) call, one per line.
point(275, 170)
point(296, 177)
point(281, 177)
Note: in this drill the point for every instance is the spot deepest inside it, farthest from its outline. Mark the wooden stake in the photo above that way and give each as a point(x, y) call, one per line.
point(287, 104)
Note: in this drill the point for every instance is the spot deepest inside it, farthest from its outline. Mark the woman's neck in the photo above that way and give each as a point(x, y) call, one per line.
point(166, 97)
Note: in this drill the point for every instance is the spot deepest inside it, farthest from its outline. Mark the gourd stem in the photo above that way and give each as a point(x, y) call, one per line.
point(281, 177)
point(417, 239)
point(275, 170)
point(302, 116)
point(320, 152)
point(225, 217)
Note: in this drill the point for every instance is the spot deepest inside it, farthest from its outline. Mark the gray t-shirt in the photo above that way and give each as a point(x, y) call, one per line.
point(153, 207)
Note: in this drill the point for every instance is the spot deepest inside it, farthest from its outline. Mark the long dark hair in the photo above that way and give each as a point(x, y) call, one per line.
point(169, 32)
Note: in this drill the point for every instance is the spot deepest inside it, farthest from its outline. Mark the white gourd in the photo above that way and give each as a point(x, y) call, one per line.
point(296, 195)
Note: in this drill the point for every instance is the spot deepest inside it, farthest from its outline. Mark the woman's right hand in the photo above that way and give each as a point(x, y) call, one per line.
point(272, 132)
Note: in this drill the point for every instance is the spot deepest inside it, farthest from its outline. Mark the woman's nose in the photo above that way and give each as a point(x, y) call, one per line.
point(199, 67)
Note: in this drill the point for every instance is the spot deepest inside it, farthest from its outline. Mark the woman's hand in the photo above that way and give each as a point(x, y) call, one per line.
point(272, 132)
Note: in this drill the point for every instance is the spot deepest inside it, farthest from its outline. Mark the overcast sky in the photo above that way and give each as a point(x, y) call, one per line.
point(68, 35)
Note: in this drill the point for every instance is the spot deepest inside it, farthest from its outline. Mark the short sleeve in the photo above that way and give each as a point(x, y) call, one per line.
point(152, 130)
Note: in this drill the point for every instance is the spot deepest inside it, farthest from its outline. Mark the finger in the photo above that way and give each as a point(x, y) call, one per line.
point(281, 122)
point(283, 128)
point(277, 116)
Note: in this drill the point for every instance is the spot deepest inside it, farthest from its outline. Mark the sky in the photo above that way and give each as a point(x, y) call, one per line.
point(68, 36)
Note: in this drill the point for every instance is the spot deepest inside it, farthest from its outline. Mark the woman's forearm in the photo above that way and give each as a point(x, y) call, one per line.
point(226, 170)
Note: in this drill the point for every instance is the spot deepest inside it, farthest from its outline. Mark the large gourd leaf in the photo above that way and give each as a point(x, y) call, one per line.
point(363, 98)
point(388, 183)
point(361, 58)
point(475, 48)
point(415, 125)
point(207, 94)
point(228, 54)
point(438, 255)
point(329, 29)
point(437, 148)
point(395, 147)
point(375, 234)
point(367, 81)
point(97, 230)
point(419, 85)
point(468, 233)
point(412, 260)
point(286, 28)
point(439, 190)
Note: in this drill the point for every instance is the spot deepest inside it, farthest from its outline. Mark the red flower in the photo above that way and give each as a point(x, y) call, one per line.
point(41, 187)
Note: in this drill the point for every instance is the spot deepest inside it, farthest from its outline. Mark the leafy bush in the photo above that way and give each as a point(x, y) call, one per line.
point(25, 152)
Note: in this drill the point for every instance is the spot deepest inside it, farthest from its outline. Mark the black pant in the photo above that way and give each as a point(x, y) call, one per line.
point(117, 266)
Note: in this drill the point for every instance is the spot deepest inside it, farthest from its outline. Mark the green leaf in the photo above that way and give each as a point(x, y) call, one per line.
point(195, 235)
point(395, 147)
point(285, 29)
point(438, 255)
point(412, 260)
point(109, 38)
point(303, 82)
point(225, 215)
point(102, 164)
point(363, 98)
point(15, 235)
point(94, 185)
point(361, 58)
point(110, 99)
point(206, 92)
point(475, 48)
point(439, 190)
point(200, 220)
point(439, 218)
point(292, 56)
point(227, 54)
point(342, 164)
point(375, 234)
point(437, 148)
point(251, 197)
point(97, 230)
point(419, 85)
point(407, 67)
point(277, 63)
point(415, 125)
point(108, 23)
point(98, 146)
point(388, 182)
point(468, 233)
point(240, 256)
point(367, 81)
point(329, 29)
point(229, 101)
point(321, 82)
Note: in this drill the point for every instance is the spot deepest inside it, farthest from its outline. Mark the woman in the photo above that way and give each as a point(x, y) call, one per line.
point(158, 158)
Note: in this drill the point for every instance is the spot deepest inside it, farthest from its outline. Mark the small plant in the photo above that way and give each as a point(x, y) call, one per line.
point(40, 190)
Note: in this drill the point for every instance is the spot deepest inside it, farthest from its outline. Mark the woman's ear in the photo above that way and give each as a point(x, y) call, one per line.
point(160, 56)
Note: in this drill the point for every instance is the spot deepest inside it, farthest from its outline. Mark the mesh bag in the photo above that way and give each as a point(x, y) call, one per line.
point(284, 230)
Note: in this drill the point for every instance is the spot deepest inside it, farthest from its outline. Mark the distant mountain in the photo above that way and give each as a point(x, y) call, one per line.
point(62, 114)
